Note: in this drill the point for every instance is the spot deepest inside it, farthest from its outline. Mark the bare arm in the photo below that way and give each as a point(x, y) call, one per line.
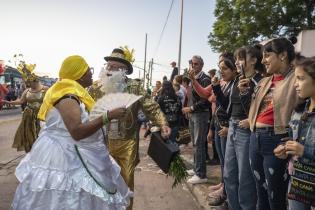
point(19, 101)
point(70, 112)
point(201, 91)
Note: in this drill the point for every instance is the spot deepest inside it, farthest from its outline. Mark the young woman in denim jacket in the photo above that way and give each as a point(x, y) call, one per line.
point(302, 145)
point(238, 179)
point(273, 102)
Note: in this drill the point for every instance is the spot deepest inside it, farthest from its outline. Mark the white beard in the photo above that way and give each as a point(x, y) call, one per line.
point(116, 83)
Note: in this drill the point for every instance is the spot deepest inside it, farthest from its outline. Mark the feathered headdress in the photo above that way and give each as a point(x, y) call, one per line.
point(129, 54)
point(26, 71)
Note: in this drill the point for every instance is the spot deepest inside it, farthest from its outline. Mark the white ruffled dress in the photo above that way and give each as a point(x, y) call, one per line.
point(53, 177)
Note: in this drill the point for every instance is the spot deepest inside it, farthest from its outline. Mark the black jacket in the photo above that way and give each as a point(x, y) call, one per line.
point(172, 109)
point(225, 100)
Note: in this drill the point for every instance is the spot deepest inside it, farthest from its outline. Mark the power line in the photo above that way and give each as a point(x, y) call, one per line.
point(157, 47)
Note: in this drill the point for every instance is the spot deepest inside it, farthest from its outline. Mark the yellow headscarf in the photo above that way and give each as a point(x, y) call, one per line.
point(72, 68)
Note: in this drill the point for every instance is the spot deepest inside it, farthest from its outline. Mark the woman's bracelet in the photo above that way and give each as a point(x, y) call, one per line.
point(105, 118)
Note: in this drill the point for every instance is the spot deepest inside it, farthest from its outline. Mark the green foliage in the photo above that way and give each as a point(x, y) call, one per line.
point(178, 170)
point(241, 22)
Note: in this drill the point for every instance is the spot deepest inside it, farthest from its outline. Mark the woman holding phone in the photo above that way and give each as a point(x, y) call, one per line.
point(238, 179)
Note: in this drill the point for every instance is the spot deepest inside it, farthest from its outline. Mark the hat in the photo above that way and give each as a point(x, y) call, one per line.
point(73, 67)
point(119, 56)
point(26, 70)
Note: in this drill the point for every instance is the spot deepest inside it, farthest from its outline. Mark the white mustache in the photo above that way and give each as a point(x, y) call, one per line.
point(112, 82)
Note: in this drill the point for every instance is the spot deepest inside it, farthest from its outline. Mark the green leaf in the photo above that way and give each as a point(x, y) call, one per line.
point(178, 170)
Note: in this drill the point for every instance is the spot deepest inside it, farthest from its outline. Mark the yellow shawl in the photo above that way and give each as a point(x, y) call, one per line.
point(73, 68)
point(60, 89)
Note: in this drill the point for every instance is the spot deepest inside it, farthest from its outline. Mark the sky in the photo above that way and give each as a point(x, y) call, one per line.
point(47, 31)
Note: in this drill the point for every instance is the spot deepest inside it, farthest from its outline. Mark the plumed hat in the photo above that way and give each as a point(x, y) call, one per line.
point(27, 73)
point(120, 56)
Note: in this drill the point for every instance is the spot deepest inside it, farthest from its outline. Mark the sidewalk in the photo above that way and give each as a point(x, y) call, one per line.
point(201, 191)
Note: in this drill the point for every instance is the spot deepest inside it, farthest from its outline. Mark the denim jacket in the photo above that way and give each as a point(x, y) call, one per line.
point(303, 129)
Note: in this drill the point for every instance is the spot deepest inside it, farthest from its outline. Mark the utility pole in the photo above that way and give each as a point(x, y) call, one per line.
point(151, 72)
point(180, 35)
point(145, 59)
point(147, 76)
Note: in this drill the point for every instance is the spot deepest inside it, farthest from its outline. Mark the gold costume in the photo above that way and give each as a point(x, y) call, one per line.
point(29, 127)
point(125, 149)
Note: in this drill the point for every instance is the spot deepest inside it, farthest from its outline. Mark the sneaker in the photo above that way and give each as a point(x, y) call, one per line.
point(191, 172)
point(217, 201)
point(215, 187)
point(197, 180)
point(216, 193)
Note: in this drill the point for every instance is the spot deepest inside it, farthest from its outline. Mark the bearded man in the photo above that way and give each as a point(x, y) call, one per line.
point(124, 147)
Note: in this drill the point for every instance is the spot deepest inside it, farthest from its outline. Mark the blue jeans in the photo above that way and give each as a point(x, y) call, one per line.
point(173, 134)
point(199, 126)
point(296, 205)
point(220, 145)
point(269, 171)
point(238, 179)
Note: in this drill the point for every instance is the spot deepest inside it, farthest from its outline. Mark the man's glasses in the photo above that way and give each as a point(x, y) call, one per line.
point(115, 67)
point(92, 70)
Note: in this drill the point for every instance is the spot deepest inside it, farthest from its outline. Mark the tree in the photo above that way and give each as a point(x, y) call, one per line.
point(241, 22)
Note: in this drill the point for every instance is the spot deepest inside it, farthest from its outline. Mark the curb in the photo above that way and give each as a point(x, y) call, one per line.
point(199, 196)
point(195, 190)
point(200, 191)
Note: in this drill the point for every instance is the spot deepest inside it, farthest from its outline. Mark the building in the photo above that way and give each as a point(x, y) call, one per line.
point(305, 43)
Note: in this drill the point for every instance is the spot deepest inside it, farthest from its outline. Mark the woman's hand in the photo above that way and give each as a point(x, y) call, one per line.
point(186, 110)
point(243, 85)
point(215, 81)
point(244, 123)
point(223, 132)
point(165, 131)
point(210, 135)
point(294, 148)
point(117, 113)
point(280, 152)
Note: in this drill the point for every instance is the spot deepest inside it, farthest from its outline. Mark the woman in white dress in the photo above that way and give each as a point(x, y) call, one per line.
point(69, 166)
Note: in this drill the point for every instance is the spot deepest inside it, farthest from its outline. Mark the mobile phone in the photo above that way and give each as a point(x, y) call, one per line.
point(284, 140)
point(242, 71)
point(190, 64)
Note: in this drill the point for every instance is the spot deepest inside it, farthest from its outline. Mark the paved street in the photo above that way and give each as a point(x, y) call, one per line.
point(152, 188)
point(9, 157)
point(9, 121)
